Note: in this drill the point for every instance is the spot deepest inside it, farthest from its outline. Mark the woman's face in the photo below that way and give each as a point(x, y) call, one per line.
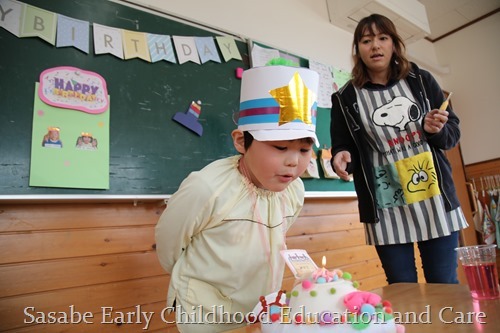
point(376, 51)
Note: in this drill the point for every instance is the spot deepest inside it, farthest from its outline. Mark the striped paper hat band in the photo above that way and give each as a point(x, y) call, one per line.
point(264, 110)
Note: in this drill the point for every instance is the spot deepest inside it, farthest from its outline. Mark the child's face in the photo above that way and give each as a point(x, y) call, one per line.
point(86, 139)
point(275, 164)
point(53, 135)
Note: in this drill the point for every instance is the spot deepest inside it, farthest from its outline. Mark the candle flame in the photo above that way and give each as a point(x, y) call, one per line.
point(323, 261)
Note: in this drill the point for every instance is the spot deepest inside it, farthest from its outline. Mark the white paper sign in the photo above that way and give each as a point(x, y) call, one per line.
point(299, 262)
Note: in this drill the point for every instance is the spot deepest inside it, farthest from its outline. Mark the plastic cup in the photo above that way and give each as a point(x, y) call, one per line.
point(479, 263)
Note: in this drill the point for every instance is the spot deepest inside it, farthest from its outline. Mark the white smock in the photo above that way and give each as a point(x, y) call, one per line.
point(220, 239)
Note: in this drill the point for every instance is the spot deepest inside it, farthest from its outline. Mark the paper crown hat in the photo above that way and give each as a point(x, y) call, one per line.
point(279, 103)
point(189, 119)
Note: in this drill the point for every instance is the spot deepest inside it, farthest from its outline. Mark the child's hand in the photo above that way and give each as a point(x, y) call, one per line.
point(435, 120)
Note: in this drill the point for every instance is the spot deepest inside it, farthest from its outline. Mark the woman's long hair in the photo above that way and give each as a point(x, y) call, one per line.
point(399, 65)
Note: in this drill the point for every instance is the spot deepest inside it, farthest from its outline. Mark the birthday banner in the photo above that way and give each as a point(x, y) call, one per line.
point(23, 20)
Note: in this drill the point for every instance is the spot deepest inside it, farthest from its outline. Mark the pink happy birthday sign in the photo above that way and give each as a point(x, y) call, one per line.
point(73, 88)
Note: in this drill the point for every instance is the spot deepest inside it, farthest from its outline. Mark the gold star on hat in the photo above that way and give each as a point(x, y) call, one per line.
point(295, 101)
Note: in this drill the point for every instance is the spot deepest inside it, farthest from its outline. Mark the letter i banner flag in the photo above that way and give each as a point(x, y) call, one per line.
point(72, 32)
point(70, 136)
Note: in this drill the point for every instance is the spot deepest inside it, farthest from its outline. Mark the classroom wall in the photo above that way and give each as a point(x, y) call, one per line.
point(303, 27)
point(472, 55)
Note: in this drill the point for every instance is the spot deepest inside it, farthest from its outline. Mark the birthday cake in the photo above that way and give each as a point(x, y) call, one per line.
point(326, 302)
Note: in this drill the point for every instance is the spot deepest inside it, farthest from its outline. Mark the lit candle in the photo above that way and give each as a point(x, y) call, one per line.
point(322, 274)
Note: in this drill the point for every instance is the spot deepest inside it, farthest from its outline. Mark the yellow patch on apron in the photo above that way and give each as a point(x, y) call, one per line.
point(418, 177)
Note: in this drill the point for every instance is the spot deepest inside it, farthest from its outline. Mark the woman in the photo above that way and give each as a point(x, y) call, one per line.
point(388, 131)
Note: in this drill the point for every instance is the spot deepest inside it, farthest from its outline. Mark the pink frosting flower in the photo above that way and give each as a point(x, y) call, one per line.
point(355, 300)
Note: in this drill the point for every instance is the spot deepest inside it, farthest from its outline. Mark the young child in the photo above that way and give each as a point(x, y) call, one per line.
point(221, 234)
point(86, 142)
point(51, 139)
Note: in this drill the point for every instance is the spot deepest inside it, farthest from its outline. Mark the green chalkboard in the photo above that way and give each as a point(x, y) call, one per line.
point(323, 185)
point(149, 152)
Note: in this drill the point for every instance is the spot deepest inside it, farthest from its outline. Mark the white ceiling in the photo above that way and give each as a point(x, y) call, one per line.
point(446, 16)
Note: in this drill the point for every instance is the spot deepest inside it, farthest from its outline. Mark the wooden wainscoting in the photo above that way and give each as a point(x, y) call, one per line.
point(331, 228)
point(482, 169)
point(100, 258)
point(92, 257)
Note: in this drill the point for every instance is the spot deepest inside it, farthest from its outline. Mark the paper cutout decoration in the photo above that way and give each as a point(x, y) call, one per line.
point(261, 55)
point(108, 40)
point(73, 88)
point(39, 22)
point(207, 49)
point(10, 18)
point(326, 84)
point(52, 139)
point(72, 32)
point(340, 78)
point(25, 20)
point(160, 48)
point(326, 156)
point(57, 163)
point(299, 262)
point(312, 168)
point(186, 49)
point(135, 45)
point(228, 48)
point(189, 119)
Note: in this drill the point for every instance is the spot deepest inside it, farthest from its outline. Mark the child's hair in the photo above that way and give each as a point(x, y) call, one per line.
point(399, 66)
point(248, 139)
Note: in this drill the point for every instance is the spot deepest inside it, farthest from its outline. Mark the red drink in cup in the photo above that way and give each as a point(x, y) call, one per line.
point(479, 263)
point(483, 280)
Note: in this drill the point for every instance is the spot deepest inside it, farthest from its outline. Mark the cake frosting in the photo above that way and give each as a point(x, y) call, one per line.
point(326, 302)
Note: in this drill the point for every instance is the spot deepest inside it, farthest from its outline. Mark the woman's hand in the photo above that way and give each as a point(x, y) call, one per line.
point(340, 161)
point(435, 120)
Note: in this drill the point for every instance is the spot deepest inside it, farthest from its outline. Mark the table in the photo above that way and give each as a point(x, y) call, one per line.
point(434, 308)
